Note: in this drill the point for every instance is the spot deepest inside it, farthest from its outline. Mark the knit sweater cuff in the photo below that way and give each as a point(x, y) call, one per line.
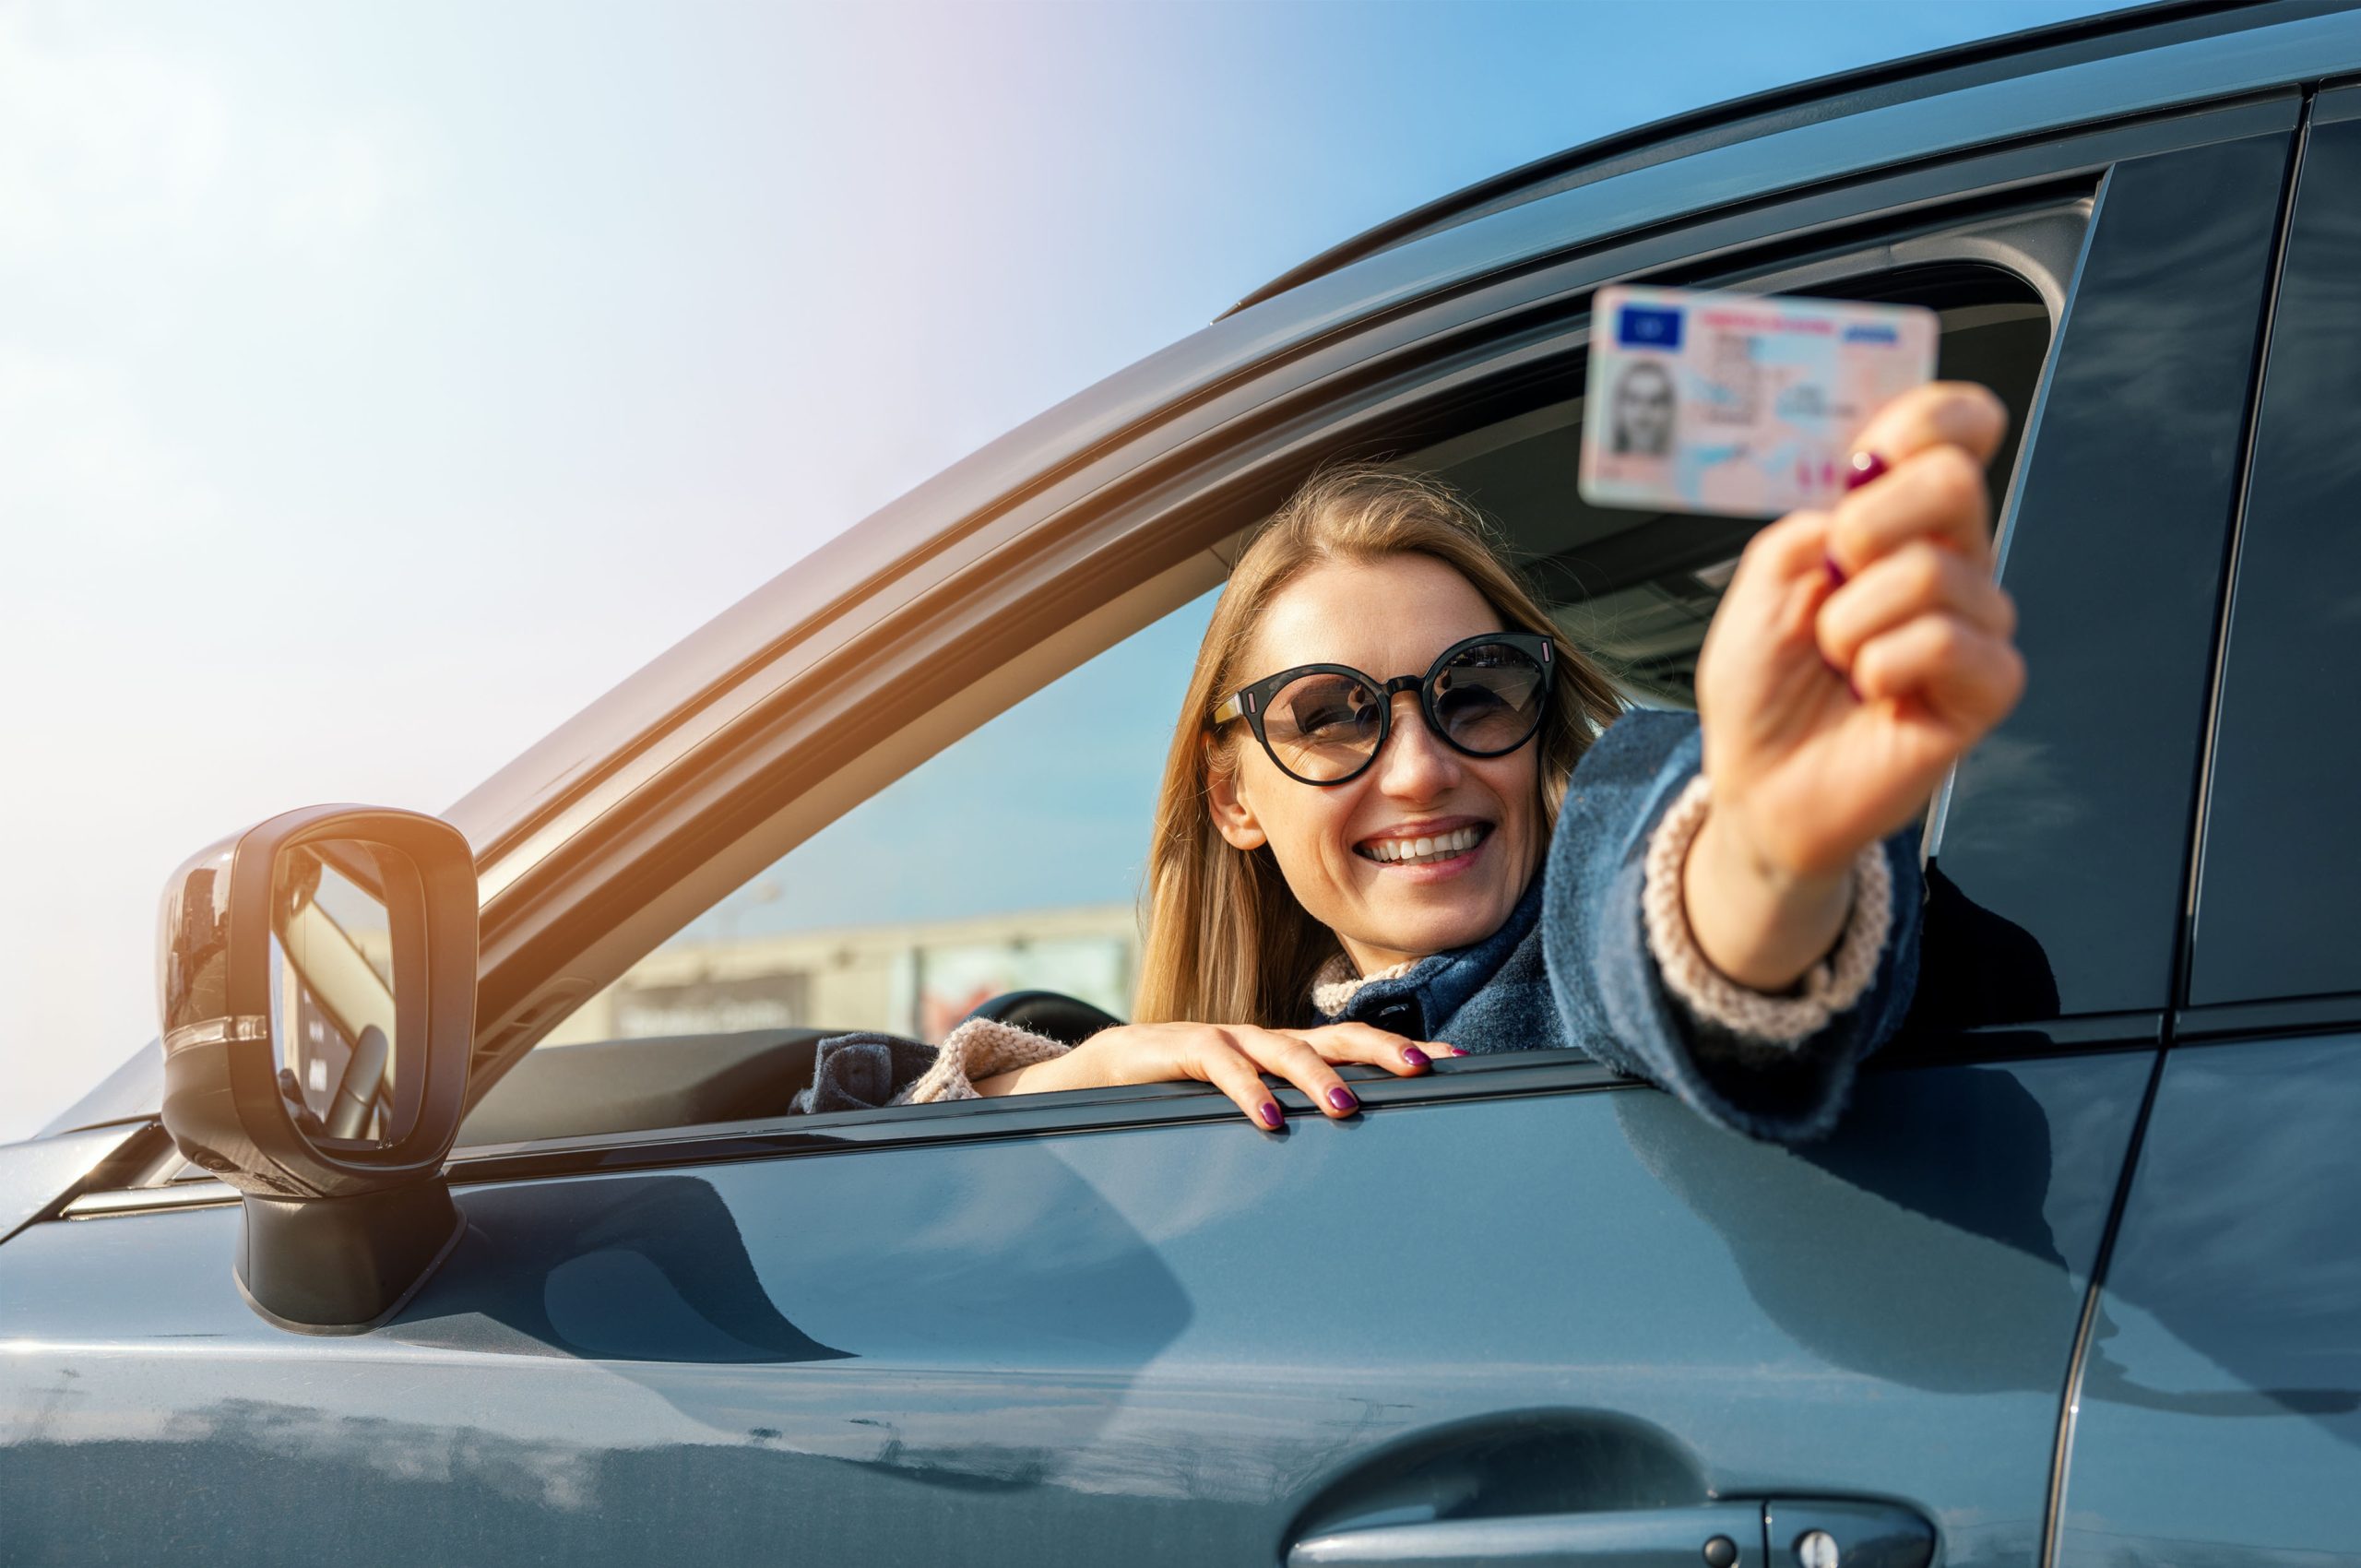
point(1835, 984)
point(977, 1049)
point(1332, 987)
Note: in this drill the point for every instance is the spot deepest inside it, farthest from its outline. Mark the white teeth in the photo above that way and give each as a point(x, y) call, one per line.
point(1413, 851)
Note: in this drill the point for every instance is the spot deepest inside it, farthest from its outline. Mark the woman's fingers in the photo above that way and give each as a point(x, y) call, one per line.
point(1367, 1042)
point(1940, 414)
point(1967, 676)
point(1235, 1058)
point(1225, 1064)
point(1295, 1059)
point(1782, 569)
point(1937, 494)
point(1935, 440)
point(1915, 580)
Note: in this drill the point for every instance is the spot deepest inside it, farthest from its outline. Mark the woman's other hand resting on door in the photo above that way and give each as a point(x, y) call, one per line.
point(1231, 1057)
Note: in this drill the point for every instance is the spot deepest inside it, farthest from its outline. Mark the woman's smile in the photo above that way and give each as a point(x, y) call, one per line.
point(1445, 847)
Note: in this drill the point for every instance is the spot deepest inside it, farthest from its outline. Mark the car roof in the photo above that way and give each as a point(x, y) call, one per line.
point(2030, 53)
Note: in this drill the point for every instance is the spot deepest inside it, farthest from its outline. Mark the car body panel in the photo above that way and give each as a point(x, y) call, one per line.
point(1176, 1344)
point(37, 1175)
point(2073, 819)
point(2216, 1417)
point(2220, 1401)
point(2273, 913)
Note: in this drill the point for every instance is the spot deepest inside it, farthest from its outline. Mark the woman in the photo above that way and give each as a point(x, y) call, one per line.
point(1350, 867)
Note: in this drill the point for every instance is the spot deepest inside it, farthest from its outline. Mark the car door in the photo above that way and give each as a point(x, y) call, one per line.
point(2220, 1393)
point(1519, 1305)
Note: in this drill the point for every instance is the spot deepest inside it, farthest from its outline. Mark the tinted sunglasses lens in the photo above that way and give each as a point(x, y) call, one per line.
point(1489, 698)
point(1323, 726)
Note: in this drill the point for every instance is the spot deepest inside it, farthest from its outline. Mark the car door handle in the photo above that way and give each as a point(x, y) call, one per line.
point(1779, 1533)
point(1807, 1532)
point(1723, 1534)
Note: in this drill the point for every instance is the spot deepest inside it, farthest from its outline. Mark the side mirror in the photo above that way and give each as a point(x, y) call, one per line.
point(316, 974)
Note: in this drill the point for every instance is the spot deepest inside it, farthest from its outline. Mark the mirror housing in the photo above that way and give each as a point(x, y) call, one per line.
point(346, 1211)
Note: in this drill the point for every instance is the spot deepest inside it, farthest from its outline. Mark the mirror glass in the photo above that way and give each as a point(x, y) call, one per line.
point(347, 957)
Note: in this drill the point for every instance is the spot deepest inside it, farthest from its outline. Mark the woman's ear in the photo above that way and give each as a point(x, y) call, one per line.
point(1233, 818)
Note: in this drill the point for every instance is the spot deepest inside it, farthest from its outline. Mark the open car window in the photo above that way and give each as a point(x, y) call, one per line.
point(1011, 859)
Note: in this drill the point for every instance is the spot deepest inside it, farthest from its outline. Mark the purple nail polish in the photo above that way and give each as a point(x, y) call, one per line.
point(1342, 1098)
point(1834, 572)
point(1455, 1051)
point(1414, 1056)
point(1864, 467)
point(1271, 1116)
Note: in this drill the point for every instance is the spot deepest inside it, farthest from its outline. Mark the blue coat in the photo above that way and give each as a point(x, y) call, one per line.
point(1572, 967)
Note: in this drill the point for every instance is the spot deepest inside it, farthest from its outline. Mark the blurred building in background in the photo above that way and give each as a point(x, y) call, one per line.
point(916, 980)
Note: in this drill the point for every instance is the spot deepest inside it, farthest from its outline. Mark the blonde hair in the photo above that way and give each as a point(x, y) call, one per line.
point(1226, 941)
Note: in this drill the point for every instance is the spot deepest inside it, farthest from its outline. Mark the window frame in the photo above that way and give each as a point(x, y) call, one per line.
point(1376, 400)
point(1131, 533)
point(2035, 242)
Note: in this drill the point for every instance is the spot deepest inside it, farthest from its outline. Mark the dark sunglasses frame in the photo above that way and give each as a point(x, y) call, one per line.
point(1248, 702)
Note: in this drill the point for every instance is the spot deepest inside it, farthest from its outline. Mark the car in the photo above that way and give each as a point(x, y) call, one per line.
point(2077, 1282)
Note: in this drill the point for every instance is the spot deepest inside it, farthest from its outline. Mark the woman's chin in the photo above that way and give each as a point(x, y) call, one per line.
point(1437, 927)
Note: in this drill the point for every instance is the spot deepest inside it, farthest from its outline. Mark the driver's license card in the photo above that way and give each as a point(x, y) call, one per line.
point(1745, 405)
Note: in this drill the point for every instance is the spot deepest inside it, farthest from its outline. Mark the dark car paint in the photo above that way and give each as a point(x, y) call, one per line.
point(2276, 901)
point(1140, 1329)
point(2215, 1417)
point(2071, 821)
point(2221, 1400)
point(1179, 1345)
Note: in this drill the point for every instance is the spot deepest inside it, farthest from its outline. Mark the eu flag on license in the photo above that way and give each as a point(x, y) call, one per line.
point(1647, 327)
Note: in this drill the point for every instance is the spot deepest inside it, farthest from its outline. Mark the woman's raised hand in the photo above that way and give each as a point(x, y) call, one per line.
point(1857, 653)
point(1231, 1057)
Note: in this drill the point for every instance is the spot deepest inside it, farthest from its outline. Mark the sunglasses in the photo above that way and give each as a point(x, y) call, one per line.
point(1323, 723)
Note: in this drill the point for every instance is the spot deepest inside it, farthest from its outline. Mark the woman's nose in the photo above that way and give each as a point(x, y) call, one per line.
point(1416, 764)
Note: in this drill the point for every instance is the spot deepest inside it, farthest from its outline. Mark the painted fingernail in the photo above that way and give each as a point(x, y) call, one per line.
point(1414, 1056)
point(1271, 1115)
point(1454, 1050)
point(1864, 466)
point(1342, 1098)
point(1834, 572)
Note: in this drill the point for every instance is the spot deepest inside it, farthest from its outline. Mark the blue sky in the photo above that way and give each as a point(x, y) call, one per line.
point(380, 385)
